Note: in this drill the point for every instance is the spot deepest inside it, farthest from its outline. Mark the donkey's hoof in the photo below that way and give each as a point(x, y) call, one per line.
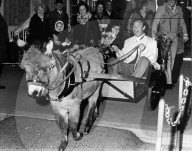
point(86, 130)
point(62, 146)
point(78, 137)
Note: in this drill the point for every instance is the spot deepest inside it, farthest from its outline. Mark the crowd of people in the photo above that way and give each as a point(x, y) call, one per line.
point(87, 29)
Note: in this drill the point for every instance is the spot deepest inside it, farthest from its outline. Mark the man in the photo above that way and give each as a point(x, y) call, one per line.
point(137, 63)
point(59, 15)
point(168, 20)
point(4, 39)
point(111, 14)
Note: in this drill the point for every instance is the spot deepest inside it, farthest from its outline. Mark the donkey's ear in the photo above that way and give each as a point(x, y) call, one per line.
point(49, 47)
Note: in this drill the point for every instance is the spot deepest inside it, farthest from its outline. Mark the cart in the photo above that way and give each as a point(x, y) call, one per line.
point(152, 86)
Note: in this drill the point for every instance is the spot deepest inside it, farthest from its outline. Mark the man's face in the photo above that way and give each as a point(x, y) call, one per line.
point(171, 3)
point(59, 6)
point(109, 6)
point(100, 8)
point(138, 28)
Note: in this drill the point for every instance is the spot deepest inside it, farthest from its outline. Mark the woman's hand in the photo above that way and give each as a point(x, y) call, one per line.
point(66, 43)
point(69, 27)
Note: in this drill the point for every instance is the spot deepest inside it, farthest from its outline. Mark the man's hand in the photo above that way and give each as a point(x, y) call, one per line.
point(157, 66)
point(185, 38)
point(114, 48)
point(141, 47)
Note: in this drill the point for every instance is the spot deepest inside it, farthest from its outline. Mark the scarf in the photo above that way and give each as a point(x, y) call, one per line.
point(83, 20)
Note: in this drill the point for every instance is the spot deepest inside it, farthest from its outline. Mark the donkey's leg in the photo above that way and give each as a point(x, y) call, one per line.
point(74, 114)
point(92, 112)
point(63, 125)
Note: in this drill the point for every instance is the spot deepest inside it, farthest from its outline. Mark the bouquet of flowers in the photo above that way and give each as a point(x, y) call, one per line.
point(164, 44)
point(109, 37)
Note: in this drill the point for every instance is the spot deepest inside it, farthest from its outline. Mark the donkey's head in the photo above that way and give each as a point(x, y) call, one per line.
point(39, 65)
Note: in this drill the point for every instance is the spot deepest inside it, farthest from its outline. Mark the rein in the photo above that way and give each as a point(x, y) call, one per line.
point(50, 86)
point(120, 58)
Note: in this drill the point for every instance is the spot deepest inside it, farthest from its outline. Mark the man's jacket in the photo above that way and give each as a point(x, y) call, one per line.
point(168, 21)
point(150, 52)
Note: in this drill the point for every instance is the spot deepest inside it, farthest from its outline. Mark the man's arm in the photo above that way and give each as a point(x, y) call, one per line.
point(152, 54)
point(183, 26)
point(156, 20)
point(151, 51)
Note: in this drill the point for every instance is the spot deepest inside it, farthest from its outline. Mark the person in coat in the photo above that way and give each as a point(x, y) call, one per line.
point(4, 40)
point(103, 20)
point(39, 26)
point(86, 31)
point(109, 12)
point(167, 20)
point(58, 15)
point(141, 11)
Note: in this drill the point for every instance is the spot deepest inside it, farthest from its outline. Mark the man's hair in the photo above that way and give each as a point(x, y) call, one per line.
point(100, 3)
point(139, 20)
point(140, 4)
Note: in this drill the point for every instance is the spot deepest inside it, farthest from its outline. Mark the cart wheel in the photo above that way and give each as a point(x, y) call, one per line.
point(153, 98)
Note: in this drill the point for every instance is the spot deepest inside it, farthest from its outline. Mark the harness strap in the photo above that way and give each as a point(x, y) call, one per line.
point(69, 83)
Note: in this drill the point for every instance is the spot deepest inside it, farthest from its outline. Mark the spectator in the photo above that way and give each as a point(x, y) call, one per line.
point(137, 63)
point(39, 25)
point(86, 32)
point(4, 39)
point(168, 20)
point(59, 14)
point(61, 40)
point(114, 18)
point(141, 12)
point(178, 58)
point(102, 19)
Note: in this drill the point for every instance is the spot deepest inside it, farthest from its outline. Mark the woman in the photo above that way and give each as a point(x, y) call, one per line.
point(39, 26)
point(86, 32)
point(99, 14)
point(141, 12)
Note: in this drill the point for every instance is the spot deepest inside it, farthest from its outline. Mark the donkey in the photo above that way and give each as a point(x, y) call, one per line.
point(48, 74)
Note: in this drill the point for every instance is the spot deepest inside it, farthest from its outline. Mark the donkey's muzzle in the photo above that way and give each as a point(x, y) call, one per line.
point(36, 90)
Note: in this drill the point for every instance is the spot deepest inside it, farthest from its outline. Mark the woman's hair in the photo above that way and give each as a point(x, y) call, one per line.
point(82, 3)
point(100, 3)
point(37, 5)
point(140, 4)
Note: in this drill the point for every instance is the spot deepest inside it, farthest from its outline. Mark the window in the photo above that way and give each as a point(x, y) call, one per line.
point(16, 11)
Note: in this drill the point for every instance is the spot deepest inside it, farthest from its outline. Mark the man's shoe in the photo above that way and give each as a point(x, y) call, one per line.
point(2, 87)
point(169, 86)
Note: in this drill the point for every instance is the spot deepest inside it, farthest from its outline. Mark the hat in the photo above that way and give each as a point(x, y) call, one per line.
point(59, 1)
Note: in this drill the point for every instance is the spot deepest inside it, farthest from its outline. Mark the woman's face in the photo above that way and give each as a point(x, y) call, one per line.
point(40, 12)
point(145, 7)
point(82, 10)
point(100, 8)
